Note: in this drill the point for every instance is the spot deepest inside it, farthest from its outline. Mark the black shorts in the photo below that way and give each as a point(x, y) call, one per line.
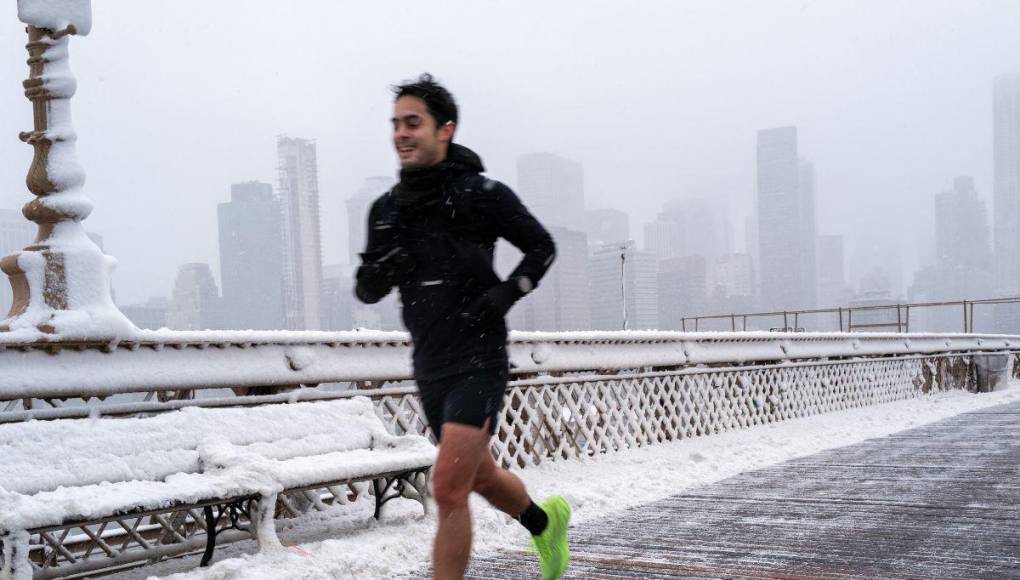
point(468, 398)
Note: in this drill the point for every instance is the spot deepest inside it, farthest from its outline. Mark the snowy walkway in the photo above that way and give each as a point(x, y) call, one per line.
point(348, 544)
point(941, 501)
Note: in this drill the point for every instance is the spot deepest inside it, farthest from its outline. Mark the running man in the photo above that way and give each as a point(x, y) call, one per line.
point(433, 236)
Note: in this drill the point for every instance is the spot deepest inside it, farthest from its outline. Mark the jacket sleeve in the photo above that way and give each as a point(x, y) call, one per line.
point(373, 279)
point(518, 226)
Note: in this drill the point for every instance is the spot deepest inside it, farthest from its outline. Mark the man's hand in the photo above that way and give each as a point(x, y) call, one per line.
point(495, 302)
point(379, 272)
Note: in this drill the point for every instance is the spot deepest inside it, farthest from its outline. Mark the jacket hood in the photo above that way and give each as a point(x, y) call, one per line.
point(464, 158)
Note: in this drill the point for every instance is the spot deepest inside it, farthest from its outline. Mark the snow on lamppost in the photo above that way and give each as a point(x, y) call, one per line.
point(61, 281)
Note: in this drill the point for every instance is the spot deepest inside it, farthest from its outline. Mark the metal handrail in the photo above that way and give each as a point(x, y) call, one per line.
point(902, 323)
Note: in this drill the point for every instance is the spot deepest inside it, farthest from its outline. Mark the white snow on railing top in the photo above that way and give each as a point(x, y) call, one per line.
point(57, 15)
point(165, 359)
point(25, 337)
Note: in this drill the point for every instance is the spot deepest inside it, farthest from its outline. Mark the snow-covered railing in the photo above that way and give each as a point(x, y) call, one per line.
point(155, 370)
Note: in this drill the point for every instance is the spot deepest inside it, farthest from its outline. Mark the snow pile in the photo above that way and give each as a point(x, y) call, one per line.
point(45, 455)
point(400, 453)
point(595, 488)
point(57, 14)
point(88, 468)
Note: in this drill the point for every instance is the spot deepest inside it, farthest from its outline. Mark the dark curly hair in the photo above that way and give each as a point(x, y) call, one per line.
point(438, 100)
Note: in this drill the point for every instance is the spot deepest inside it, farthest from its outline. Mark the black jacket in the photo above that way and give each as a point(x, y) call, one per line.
point(437, 247)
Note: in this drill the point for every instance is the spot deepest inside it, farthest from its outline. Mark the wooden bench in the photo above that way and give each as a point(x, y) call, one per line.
point(85, 474)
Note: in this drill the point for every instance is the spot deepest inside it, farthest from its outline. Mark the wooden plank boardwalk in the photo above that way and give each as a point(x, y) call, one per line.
point(940, 501)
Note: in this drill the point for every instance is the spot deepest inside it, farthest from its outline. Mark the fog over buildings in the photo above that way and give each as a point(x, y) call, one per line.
point(252, 256)
point(697, 157)
point(1007, 183)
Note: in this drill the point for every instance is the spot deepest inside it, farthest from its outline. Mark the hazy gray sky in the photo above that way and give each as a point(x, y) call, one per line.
point(658, 99)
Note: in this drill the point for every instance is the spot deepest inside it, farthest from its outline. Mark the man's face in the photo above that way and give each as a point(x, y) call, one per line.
point(417, 139)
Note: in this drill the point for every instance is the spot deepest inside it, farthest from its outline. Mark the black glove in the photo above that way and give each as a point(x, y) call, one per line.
point(495, 302)
point(380, 272)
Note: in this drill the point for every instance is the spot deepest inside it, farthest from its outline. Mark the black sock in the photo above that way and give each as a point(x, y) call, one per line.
point(534, 519)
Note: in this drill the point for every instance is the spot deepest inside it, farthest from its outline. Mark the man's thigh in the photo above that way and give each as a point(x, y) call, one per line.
point(462, 450)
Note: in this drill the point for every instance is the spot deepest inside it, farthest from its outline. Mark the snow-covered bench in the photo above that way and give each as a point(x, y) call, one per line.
point(59, 475)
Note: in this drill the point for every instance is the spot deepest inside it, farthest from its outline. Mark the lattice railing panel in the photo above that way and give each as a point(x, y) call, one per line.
point(564, 418)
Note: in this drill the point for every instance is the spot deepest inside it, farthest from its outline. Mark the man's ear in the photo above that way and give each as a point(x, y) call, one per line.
point(447, 130)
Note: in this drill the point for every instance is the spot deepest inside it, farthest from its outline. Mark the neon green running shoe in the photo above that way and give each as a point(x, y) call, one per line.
point(551, 544)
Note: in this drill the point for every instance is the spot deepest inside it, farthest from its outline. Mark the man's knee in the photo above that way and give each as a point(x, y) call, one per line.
point(485, 482)
point(449, 494)
point(451, 485)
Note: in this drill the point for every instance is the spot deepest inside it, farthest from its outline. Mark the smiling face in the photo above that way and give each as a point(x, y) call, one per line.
point(417, 139)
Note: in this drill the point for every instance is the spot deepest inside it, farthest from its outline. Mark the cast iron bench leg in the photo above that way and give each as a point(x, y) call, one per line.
point(210, 535)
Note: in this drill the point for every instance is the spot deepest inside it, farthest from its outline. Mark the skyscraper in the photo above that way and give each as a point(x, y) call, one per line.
point(1006, 126)
point(730, 283)
point(622, 271)
point(152, 315)
point(961, 227)
point(688, 227)
point(552, 187)
point(963, 267)
point(785, 185)
point(299, 194)
point(337, 294)
point(561, 301)
point(808, 235)
point(251, 258)
point(682, 284)
point(196, 300)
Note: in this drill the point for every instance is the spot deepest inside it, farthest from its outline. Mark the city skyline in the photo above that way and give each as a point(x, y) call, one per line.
point(889, 129)
point(696, 270)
